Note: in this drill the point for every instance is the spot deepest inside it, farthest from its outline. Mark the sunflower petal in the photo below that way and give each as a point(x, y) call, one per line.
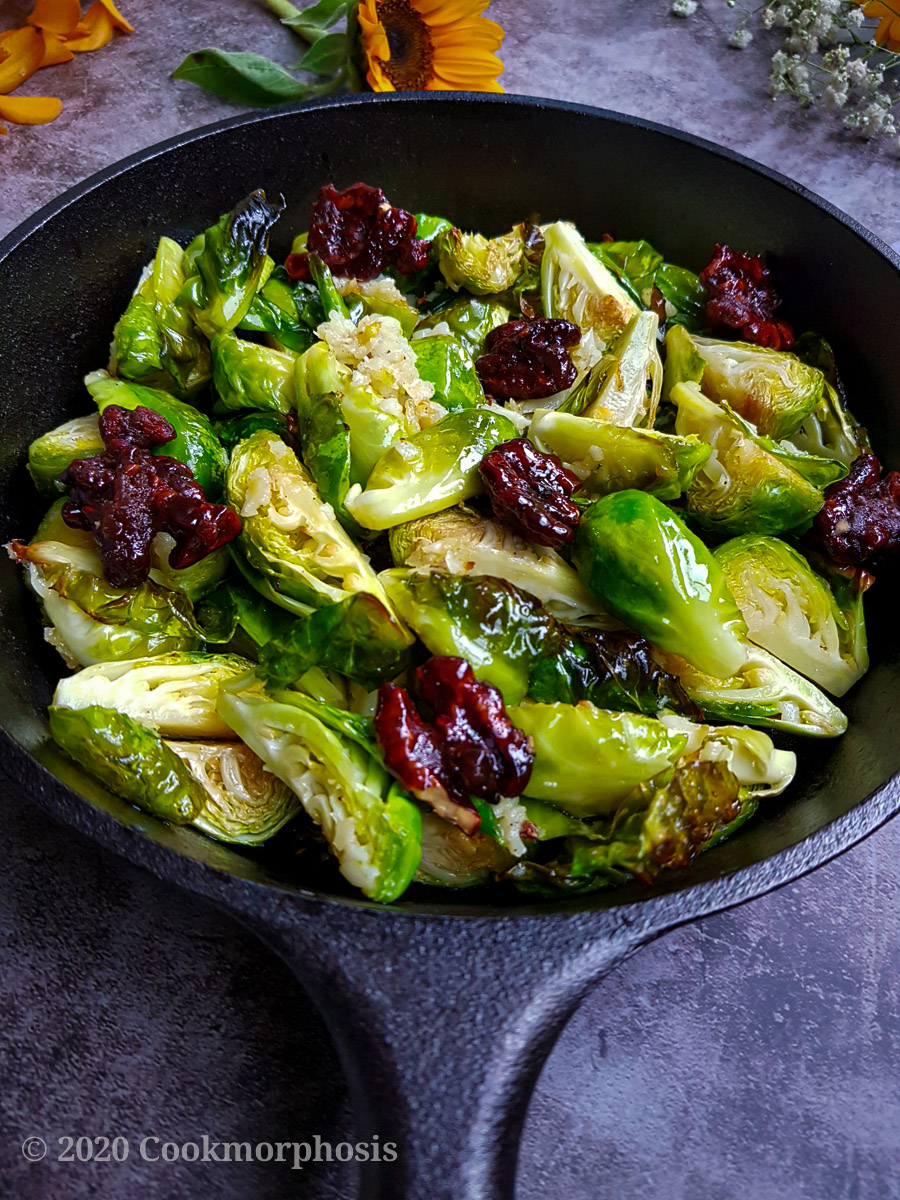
point(24, 52)
point(99, 26)
point(30, 110)
point(56, 16)
point(117, 19)
point(55, 51)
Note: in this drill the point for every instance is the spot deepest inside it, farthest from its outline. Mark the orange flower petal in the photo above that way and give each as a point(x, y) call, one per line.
point(55, 51)
point(56, 16)
point(30, 110)
point(117, 19)
point(24, 52)
point(99, 26)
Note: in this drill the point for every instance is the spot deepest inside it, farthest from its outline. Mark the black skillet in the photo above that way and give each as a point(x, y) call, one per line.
point(444, 1006)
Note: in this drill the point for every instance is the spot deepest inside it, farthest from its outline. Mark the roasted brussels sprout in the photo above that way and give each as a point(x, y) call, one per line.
point(50, 454)
point(290, 540)
point(442, 362)
point(483, 266)
point(830, 430)
point(430, 470)
point(91, 622)
point(173, 694)
point(773, 390)
point(131, 761)
point(373, 829)
point(579, 288)
point(750, 484)
point(228, 264)
point(609, 458)
point(792, 612)
point(249, 376)
point(648, 569)
point(244, 803)
point(195, 443)
point(462, 542)
point(234, 429)
point(451, 858)
point(287, 313)
point(155, 342)
point(624, 386)
point(469, 321)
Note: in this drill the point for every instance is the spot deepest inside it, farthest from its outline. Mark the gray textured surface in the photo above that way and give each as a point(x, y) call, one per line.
point(755, 1053)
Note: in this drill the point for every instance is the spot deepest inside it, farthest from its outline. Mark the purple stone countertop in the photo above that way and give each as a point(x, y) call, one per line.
point(755, 1053)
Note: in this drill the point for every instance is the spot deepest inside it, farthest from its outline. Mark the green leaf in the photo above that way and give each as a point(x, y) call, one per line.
point(243, 78)
point(326, 54)
point(313, 22)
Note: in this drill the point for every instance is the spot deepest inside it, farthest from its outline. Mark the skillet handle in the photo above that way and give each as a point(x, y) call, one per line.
point(442, 1027)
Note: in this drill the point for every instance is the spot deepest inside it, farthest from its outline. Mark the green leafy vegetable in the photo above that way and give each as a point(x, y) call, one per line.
point(288, 313)
point(243, 78)
point(441, 360)
point(51, 453)
point(249, 376)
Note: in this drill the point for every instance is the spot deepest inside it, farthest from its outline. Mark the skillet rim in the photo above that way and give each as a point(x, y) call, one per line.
point(656, 912)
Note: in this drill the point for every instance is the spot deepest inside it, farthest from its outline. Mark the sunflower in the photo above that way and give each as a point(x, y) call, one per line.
point(430, 45)
point(888, 17)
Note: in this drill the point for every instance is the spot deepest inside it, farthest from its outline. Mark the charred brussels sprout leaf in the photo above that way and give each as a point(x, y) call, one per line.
point(50, 454)
point(195, 443)
point(249, 376)
point(358, 637)
point(609, 458)
point(229, 262)
point(173, 694)
point(794, 614)
point(155, 341)
point(131, 761)
point(290, 540)
point(441, 360)
point(373, 829)
point(244, 802)
point(430, 470)
point(93, 622)
point(649, 570)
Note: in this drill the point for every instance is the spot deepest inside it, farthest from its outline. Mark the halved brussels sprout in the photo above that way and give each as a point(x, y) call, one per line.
point(747, 486)
point(155, 342)
point(196, 580)
point(791, 611)
point(773, 390)
point(195, 443)
point(227, 264)
point(50, 454)
point(244, 802)
point(173, 694)
point(763, 692)
point(374, 831)
point(647, 568)
point(289, 537)
point(611, 458)
point(442, 361)
point(483, 266)
point(469, 321)
point(830, 430)
point(579, 288)
point(451, 858)
point(131, 761)
point(587, 760)
point(430, 470)
point(249, 376)
point(748, 753)
point(92, 622)
point(462, 542)
point(624, 386)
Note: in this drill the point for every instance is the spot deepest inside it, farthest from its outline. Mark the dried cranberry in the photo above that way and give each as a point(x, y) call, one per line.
point(741, 297)
point(358, 234)
point(525, 360)
point(469, 748)
point(859, 523)
point(127, 495)
point(529, 491)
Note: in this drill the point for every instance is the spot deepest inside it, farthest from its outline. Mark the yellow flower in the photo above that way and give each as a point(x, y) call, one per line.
point(887, 13)
point(430, 45)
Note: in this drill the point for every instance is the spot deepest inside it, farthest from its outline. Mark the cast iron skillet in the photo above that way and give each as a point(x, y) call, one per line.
point(443, 1007)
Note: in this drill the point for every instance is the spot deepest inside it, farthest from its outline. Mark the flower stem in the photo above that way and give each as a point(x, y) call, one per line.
point(283, 9)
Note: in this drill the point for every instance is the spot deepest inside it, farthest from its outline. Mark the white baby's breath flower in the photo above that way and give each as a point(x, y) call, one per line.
point(740, 39)
point(683, 8)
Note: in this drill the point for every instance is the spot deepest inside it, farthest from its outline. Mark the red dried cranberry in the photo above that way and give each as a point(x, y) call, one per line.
point(469, 748)
point(412, 751)
point(127, 495)
point(741, 297)
point(859, 523)
point(525, 360)
point(529, 491)
point(358, 234)
point(490, 756)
